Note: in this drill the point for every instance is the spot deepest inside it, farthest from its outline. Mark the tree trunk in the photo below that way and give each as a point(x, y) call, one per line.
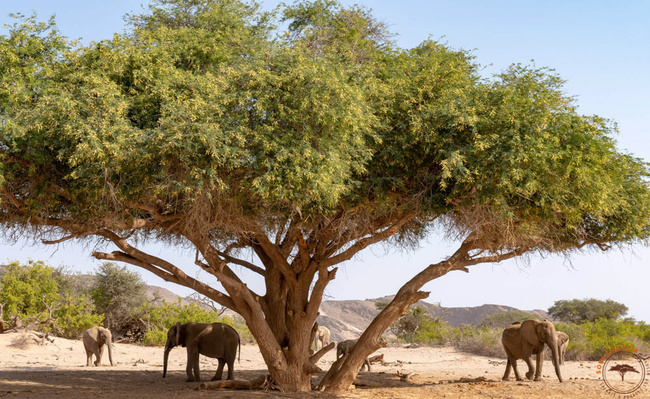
point(341, 379)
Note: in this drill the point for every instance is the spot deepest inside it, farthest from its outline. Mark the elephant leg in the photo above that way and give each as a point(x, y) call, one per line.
point(99, 354)
point(89, 357)
point(531, 367)
point(219, 372)
point(197, 369)
point(192, 368)
point(231, 368)
point(540, 362)
point(513, 364)
point(506, 374)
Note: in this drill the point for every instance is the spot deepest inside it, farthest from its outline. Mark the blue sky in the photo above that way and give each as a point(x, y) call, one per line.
point(602, 49)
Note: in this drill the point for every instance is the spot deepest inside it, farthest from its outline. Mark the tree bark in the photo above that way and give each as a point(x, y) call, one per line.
point(339, 380)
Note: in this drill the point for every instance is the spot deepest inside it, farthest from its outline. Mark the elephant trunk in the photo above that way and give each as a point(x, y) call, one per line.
point(168, 348)
point(552, 343)
point(110, 352)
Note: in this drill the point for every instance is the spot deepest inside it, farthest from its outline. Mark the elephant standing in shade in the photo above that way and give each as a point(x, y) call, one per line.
point(562, 343)
point(215, 340)
point(322, 336)
point(346, 347)
point(94, 339)
point(522, 340)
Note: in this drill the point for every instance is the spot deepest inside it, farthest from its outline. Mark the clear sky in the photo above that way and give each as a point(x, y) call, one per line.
point(602, 49)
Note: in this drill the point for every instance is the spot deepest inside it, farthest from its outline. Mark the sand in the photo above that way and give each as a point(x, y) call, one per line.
point(30, 368)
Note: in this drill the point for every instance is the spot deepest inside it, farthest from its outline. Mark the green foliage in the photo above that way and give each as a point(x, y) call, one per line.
point(579, 311)
point(407, 327)
point(31, 291)
point(155, 337)
point(116, 291)
point(210, 99)
point(480, 341)
point(504, 319)
point(432, 332)
point(27, 290)
point(74, 316)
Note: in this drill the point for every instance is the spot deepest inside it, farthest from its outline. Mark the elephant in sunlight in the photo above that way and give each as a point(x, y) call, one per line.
point(522, 340)
point(323, 336)
point(215, 340)
point(95, 339)
point(562, 343)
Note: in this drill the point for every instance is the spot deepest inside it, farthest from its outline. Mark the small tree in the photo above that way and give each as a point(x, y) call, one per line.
point(623, 369)
point(116, 293)
point(580, 311)
point(28, 290)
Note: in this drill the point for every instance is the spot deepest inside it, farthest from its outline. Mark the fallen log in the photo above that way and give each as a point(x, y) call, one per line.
point(234, 384)
point(375, 359)
point(405, 377)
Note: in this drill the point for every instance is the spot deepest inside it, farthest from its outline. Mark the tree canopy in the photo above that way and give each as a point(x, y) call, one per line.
point(301, 136)
point(580, 311)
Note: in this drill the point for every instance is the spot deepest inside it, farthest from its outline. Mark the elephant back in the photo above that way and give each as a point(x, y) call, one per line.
point(221, 341)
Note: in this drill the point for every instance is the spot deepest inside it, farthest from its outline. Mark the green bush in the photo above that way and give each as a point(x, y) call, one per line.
point(27, 290)
point(155, 338)
point(34, 290)
point(432, 332)
point(74, 316)
point(484, 342)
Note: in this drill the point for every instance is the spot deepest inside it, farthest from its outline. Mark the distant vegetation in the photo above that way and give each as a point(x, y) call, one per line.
point(593, 326)
point(47, 299)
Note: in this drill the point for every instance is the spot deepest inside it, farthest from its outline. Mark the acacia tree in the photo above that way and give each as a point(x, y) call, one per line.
point(579, 311)
point(206, 126)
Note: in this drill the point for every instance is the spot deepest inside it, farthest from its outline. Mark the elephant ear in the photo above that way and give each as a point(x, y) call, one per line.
point(178, 334)
point(529, 332)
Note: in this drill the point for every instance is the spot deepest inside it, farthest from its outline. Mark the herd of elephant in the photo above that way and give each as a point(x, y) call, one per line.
point(520, 341)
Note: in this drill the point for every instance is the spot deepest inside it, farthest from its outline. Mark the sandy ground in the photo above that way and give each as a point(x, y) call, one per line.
point(57, 370)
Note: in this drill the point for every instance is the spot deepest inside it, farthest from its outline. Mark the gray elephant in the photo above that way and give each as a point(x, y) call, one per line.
point(215, 340)
point(346, 347)
point(562, 343)
point(322, 336)
point(522, 340)
point(94, 339)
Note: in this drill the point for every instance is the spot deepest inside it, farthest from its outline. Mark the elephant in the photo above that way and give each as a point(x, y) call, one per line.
point(562, 343)
point(216, 340)
point(346, 347)
point(522, 340)
point(94, 339)
point(322, 336)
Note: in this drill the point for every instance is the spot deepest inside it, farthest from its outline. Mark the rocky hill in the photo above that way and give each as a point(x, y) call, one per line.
point(348, 319)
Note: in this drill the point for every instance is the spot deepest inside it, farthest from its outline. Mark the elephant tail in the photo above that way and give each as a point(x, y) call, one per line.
point(239, 356)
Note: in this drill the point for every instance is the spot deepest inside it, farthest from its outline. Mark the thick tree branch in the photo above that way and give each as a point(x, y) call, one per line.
point(276, 257)
point(250, 266)
point(324, 278)
point(181, 279)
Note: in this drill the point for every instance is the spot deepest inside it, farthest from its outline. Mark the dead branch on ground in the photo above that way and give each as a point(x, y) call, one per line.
point(235, 384)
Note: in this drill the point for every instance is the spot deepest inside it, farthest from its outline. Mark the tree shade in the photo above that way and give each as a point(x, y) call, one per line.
point(302, 136)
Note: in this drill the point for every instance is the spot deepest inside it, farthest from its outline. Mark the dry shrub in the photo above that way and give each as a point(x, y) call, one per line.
point(25, 339)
